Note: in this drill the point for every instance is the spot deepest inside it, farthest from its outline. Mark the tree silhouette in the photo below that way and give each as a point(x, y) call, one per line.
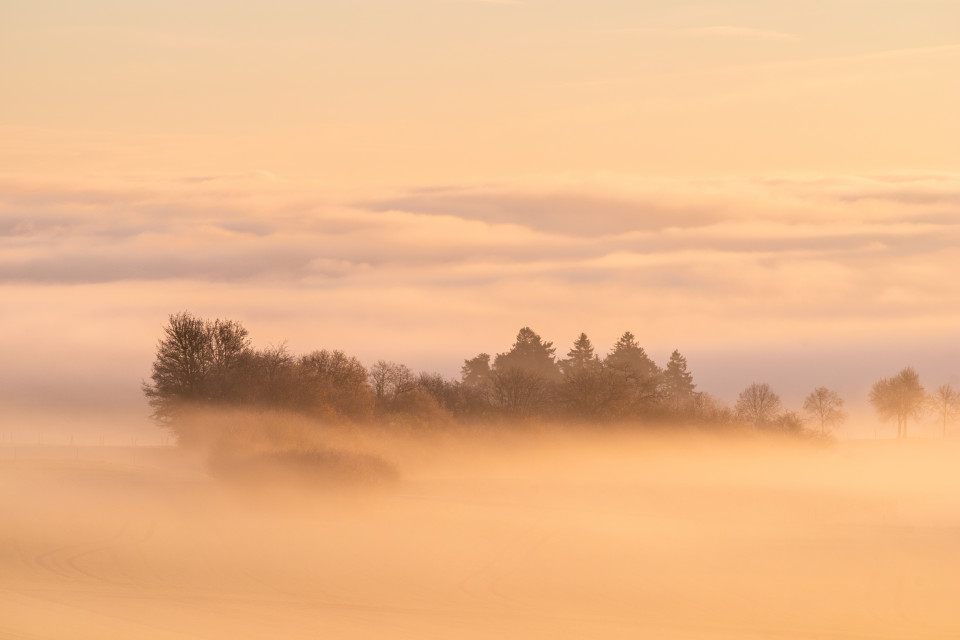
point(335, 380)
point(586, 388)
point(194, 363)
point(519, 391)
point(634, 378)
point(475, 372)
point(946, 402)
point(629, 356)
point(901, 397)
point(580, 357)
point(826, 407)
point(524, 376)
point(531, 354)
point(391, 381)
point(758, 404)
point(678, 383)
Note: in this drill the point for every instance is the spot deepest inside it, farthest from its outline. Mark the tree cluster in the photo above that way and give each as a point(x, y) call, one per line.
point(530, 381)
point(760, 406)
point(203, 362)
point(211, 363)
point(902, 398)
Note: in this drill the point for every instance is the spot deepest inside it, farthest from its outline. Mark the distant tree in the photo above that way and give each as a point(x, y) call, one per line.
point(476, 371)
point(195, 362)
point(531, 354)
point(335, 381)
point(708, 409)
point(182, 360)
point(380, 379)
point(229, 345)
point(789, 422)
point(333, 369)
point(825, 407)
point(518, 391)
point(443, 391)
point(945, 401)
point(390, 381)
point(524, 377)
point(581, 357)
point(758, 404)
point(628, 355)
point(228, 341)
point(901, 397)
point(634, 378)
point(267, 377)
point(587, 388)
point(417, 408)
point(476, 387)
point(678, 386)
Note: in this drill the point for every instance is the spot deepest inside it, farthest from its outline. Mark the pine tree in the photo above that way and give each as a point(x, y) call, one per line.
point(678, 383)
point(630, 357)
point(525, 376)
point(581, 357)
point(476, 371)
point(530, 353)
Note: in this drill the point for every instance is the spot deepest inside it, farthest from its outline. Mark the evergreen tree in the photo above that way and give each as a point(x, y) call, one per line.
point(632, 379)
point(525, 376)
point(630, 357)
point(530, 353)
point(476, 371)
point(581, 357)
point(678, 383)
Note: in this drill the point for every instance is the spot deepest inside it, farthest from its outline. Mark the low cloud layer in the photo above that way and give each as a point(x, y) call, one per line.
point(243, 230)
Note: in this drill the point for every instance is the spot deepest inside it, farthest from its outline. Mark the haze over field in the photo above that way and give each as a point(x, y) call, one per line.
point(565, 535)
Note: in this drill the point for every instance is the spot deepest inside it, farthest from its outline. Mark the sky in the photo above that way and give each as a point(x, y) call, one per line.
point(773, 188)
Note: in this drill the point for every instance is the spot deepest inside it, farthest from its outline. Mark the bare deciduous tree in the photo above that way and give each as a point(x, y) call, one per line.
point(758, 404)
point(946, 402)
point(391, 380)
point(519, 391)
point(826, 407)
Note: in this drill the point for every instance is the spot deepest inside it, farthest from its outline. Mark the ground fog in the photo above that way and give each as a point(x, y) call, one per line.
point(560, 533)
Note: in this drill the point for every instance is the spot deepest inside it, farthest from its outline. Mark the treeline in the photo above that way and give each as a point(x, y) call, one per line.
point(211, 362)
point(207, 363)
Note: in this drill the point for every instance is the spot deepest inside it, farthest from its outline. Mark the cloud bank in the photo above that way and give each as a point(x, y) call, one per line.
point(434, 274)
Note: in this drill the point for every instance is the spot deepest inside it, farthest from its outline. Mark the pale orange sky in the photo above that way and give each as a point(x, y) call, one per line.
point(772, 187)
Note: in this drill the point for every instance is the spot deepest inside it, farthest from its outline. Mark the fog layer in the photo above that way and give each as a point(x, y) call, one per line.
point(565, 534)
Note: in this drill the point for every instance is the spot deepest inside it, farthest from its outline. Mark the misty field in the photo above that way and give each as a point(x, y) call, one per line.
point(565, 534)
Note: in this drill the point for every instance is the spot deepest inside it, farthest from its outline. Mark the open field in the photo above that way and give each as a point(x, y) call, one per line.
point(567, 536)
